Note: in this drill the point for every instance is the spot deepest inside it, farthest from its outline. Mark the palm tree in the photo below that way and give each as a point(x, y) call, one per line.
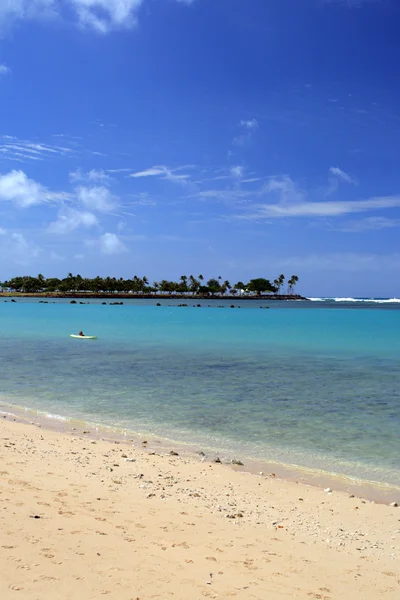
point(194, 284)
point(225, 287)
point(281, 281)
point(292, 282)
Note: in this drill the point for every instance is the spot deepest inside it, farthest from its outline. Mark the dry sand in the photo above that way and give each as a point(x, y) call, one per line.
point(84, 519)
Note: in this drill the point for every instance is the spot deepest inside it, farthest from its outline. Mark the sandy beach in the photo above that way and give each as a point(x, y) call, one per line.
point(83, 518)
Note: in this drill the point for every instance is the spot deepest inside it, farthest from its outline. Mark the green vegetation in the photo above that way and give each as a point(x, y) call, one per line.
point(190, 285)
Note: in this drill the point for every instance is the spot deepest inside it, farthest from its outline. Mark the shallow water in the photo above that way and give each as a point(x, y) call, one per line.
point(315, 387)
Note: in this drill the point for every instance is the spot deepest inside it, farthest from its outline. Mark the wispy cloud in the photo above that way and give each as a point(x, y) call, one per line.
point(164, 172)
point(17, 249)
point(319, 209)
point(368, 224)
point(98, 198)
point(342, 175)
point(69, 219)
point(237, 172)
point(12, 148)
point(250, 124)
point(350, 3)
point(93, 176)
point(4, 70)
point(102, 16)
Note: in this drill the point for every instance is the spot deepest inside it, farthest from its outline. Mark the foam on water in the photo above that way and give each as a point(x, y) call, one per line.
point(371, 300)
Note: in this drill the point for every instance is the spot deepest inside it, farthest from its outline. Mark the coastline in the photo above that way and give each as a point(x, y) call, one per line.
point(367, 489)
point(124, 296)
point(85, 517)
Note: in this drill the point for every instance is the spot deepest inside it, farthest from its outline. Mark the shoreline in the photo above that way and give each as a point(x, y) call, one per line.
point(367, 489)
point(84, 518)
point(105, 295)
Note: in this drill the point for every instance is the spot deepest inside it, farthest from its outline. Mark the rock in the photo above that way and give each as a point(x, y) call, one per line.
point(201, 453)
point(237, 462)
point(173, 453)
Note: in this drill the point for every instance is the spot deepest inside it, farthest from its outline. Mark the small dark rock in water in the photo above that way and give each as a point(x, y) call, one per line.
point(232, 306)
point(217, 460)
point(199, 306)
point(201, 453)
point(158, 304)
point(173, 453)
point(73, 302)
point(12, 300)
point(104, 303)
point(237, 462)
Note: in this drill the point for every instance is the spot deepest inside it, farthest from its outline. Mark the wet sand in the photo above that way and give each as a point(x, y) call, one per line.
point(83, 518)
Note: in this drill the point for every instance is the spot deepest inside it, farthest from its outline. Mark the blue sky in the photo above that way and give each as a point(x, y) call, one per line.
point(239, 138)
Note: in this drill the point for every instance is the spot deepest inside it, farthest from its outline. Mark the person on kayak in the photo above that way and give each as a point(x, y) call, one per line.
point(81, 333)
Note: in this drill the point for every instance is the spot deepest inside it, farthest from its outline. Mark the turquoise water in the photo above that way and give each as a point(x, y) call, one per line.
point(306, 384)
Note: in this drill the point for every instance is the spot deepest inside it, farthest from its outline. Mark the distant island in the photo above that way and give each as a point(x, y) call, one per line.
point(187, 286)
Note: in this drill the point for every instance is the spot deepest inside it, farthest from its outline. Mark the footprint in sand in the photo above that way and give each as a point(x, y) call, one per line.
point(15, 588)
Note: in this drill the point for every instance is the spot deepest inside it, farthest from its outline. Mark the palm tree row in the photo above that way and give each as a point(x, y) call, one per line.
point(140, 285)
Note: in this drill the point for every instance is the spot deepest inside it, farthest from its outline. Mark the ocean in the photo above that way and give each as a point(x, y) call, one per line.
point(311, 385)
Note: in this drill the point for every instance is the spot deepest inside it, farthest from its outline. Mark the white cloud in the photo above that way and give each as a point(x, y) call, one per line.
point(321, 209)
point(70, 219)
point(101, 16)
point(110, 243)
point(237, 172)
point(250, 124)
point(342, 175)
point(369, 224)
point(17, 249)
point(97, 198)
point(284, 187)
point(152, 172)
point(93, 176)
point(4, 70)
point(19, 150)
point(165, 172)
point(16, 187)
point(105, 15)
